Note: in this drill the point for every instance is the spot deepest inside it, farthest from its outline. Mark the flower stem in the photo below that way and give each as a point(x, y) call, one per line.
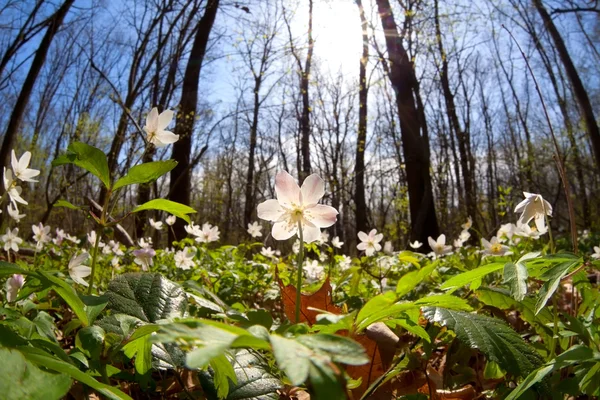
point(94, 257)
point(299, 279)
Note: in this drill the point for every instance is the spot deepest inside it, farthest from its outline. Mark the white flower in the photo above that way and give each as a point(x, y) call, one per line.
point(143, 257)
point(297, 207)
point(369, 243)
point(494, 247)
point(170, 220)
point(388, 248)
point(156, 125)
point(344, 262)
point(14, 212)
point(267, 252)
point(323, 238)
point(254, 229)
point(41, 234)
point(12, 240)
point(314, 271)
point(13, 284)
point(78, 271)
point(158, 225)
point(184, 259)
point(534, 207)
point(596, 253)
point(335, 242)
point(10, 185)
point(439, 246)
point(208, 234)
point(416, 244)
point(467, 225)
point(20, 167)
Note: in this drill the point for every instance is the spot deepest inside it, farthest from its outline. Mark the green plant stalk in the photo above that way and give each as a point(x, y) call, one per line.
point(299, 276)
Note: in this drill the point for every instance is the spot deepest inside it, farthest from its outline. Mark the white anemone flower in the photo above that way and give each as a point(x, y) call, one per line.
point(12, 240)
point(494, 247)
point(158, 225)
point(439, 246)
point(534, 207)
point(184, 259)
point(20, 167)
point(369, 243)
point(13, 212)
point(77, 271)
point(254, 229)
point(296, 208)
point(170, 220)
point(156, 125)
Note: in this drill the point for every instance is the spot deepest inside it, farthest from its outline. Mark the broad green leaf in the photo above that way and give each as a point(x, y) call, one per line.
point(409, 281)
point(87, 157)
point(40, 358)
point(68, 294)
point(575, 355)
point(223, 372)
point(467, 277)
point(515, 274)
point(21, 379)
point(491, 336)
point(90, 340)
point(149, 297)
point(66, 204)
point(552, 278)
point(177, 209)
point(144, 173)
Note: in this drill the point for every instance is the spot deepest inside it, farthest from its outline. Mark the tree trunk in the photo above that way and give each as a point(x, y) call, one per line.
point(402, 78)
point(361, 140)
point(36, 66)
point(180, 177)
point(579, 91)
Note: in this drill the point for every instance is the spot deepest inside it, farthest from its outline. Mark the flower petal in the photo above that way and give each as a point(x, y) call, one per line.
point(283, 231)
point(321, 215)
point(288, 191)
point(310, 233)
point(270, 210)
point(313, 188)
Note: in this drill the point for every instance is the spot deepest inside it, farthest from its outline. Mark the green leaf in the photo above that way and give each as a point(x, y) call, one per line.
point(66, 204)
point(68, 294)
point(87, 157)
point(41, 358)
point(22, 380)
point(409, 281)
point(144, 173)
point(177, 209)
point(149, 297)
point(515, 274)
point(467, 277)
point(553, 277)
point(491, 336)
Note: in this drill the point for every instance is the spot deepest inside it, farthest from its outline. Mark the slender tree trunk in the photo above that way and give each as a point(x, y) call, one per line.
point(361, 140)
point(180, 177)
point(579, 91)
point(18, 112)
point(422, 207)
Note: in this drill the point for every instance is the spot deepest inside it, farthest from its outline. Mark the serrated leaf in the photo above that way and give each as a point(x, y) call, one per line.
point(149, 297)
point(177, 209)
point(467, 277)
point(66, 204)
point(553, 277)
point(144, 173)
point(21, 379)
point(87, 157)
point(491, 336)
point(515, 274)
